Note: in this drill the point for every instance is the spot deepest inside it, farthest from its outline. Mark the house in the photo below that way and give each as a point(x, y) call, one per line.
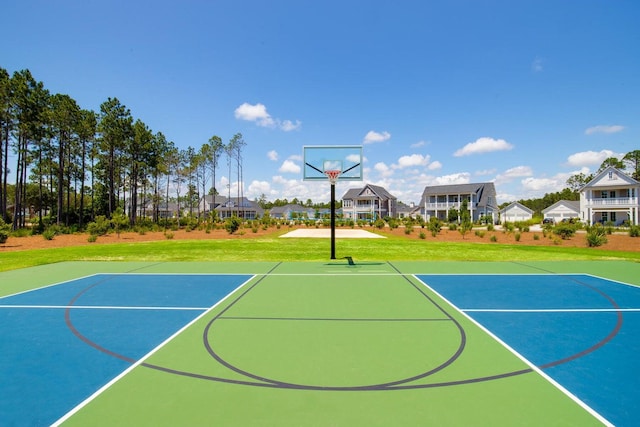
point(611, 196)
point(292, 211)
point(210, 202)
point(515, 212)
point(562, 209)
point(439, 199)
point(407, 211)
point(240, 207)
point(368, 203)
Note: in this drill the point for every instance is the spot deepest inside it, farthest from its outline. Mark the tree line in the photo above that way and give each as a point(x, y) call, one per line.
point(72, 164)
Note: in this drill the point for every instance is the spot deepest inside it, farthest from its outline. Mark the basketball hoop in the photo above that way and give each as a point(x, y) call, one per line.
point(332, 174)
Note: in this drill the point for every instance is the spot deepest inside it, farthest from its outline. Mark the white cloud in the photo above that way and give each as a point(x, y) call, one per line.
point(510, 174)
point(288, 125)
point(272, 155)
point(373, 136)
point(483, 145)
point(412, 160)
point(258, 113)
point(586, 158)
point(543, 185)
point(604, 129)
point(434, 166)
point(419, 144)
point(254, 113)
point(383, 169)
point(485, 172)
point(456, 178)
point(257, 188)
point(289, 167)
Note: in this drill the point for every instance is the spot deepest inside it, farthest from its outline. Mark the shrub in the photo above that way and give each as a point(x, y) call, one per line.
point(634, 231)
point(408, 230)
point(379, 223)
point(49, 233)
point(479, 233)
point(536, 237)
point(100, 226)
point(92, 238)
point(517, 236)
point(453, 226)
point(596, 235)
point(4, 231)
point(565, 230)
point(434, 226)
point(422, 235)
point(169, 236)
point(493, 238)
point(232, 224)
point(490, 227)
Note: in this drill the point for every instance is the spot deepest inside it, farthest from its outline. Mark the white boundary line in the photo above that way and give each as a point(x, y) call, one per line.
point(521, 357)
point(547, 310)
point(145, 357)
point(49, 286)
point(101, 307)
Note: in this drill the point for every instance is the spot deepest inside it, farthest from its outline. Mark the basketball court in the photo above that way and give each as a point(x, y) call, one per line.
point(324, 343)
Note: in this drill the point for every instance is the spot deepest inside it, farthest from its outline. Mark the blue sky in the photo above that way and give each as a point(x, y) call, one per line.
point(521, 93)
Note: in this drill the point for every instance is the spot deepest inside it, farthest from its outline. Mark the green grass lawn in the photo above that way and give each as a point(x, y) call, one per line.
point(272, 248)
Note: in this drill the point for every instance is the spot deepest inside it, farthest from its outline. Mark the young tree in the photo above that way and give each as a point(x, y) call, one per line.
point(465, 218)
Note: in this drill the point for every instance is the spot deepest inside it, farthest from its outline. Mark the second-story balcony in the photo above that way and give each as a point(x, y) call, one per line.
point(614, 201)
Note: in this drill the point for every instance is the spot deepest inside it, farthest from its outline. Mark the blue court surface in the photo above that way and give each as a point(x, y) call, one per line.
point(580, 330)
point(50, 335)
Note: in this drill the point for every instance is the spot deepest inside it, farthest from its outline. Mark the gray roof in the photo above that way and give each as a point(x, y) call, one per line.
point(520, 205)
point(291, 207)
point(379, 192)
point(483, 190)
point(571, 204)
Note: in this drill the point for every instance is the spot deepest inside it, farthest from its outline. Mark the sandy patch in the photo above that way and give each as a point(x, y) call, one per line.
point(326, 233)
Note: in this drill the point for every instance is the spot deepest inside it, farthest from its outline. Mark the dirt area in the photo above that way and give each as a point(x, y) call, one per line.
point(617, 242)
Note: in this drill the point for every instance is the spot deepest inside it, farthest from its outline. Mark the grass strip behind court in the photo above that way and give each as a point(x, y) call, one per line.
point(276, 250)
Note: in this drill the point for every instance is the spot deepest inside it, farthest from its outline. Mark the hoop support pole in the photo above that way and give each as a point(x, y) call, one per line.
point(333, 221)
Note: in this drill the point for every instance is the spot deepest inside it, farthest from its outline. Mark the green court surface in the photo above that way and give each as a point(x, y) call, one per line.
point(330, 344)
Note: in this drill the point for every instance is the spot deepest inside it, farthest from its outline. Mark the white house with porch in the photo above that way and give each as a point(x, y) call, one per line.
point(610, 196)
point(368, 203)
point(439, 199)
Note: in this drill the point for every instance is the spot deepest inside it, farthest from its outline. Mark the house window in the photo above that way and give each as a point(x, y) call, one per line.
point(610, 174)
point(605, 216)
point(604, 194)
point(613, 216)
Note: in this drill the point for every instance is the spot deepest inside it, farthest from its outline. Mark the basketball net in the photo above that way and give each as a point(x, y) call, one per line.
point(332, 174)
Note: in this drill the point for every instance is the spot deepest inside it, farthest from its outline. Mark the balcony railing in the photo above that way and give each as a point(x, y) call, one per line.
point(617, 201)
point(445, 206)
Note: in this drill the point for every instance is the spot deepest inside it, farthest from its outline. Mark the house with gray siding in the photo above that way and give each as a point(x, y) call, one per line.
point(437, 200)
point(368, 203)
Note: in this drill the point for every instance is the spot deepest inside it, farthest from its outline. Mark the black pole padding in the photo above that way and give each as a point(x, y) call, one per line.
point(333, 221)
